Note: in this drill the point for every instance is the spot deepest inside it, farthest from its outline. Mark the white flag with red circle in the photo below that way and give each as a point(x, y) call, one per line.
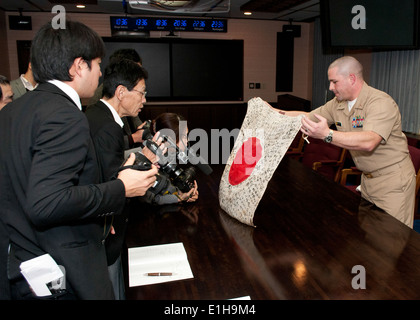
point(262, 142)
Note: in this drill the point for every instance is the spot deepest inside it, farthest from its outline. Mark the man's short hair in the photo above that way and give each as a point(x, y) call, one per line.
point(3, 81)
point(348, 65)
point(126, 53)
point(122, 72)
point(53, 50)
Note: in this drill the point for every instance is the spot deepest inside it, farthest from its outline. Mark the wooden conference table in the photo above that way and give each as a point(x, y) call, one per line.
point(310, 235)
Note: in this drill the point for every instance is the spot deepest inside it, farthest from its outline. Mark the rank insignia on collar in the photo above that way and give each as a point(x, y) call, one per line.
point(357, 122)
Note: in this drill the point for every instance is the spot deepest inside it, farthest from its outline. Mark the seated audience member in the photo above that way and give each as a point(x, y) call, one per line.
point(24, 83)
point(6, 92)
point(178, 130)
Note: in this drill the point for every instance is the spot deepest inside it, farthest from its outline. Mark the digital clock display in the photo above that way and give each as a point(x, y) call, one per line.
point(168, 24)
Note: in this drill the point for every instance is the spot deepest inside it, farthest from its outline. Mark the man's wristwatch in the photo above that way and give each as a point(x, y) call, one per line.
point(328, 138)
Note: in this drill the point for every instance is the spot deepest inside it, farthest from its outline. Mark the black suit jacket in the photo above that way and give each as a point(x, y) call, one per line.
point(130, 123)
point(108, 138)
point(50, 199)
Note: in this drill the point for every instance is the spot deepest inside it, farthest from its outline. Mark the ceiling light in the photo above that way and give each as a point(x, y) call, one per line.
point(181, 6)
point(80, 6)
point(247, 13)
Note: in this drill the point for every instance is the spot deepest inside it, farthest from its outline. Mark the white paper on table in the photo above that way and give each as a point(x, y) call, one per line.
point(241, 298)
point(167, 258)
point(39, 272)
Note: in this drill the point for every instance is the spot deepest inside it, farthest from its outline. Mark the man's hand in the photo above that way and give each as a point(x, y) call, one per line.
point(150, 155)
point(317, 130)
point(191, 195)
point(361, 140)
point(138, 135)
point(137, 182)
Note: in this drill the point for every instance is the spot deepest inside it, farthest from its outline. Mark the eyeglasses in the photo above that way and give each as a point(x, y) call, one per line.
point(143, 93)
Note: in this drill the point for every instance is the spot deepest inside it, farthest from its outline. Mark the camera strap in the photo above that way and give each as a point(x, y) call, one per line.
point(141, 167)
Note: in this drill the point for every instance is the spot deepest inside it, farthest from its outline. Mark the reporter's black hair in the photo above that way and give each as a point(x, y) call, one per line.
point(126, 53)
point(122, 72)
point(53, 50)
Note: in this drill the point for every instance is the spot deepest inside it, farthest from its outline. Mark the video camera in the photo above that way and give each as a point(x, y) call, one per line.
point(180, 178)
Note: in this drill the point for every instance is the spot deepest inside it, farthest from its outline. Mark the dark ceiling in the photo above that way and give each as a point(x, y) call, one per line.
point(284, 10)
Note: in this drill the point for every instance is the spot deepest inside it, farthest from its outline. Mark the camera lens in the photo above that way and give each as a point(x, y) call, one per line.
point(185, 181)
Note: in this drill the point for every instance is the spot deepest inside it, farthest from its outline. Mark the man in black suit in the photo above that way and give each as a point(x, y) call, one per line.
point(50, 199)
point(123, 96)
point(133, 136)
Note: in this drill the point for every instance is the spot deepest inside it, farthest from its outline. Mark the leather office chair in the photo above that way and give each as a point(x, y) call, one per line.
point(325, 158)
point(415, 157)
point(296, 148)
point(355, 182)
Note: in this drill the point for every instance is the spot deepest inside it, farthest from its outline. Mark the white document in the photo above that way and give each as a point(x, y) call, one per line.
point(241, 298)
point(157, 264)
point(41, 273)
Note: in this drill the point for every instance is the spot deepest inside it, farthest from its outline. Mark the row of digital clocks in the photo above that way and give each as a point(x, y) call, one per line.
point(168, 24)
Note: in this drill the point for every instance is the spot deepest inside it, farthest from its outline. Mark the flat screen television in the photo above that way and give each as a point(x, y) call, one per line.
point(187, 69)
point(375, 24)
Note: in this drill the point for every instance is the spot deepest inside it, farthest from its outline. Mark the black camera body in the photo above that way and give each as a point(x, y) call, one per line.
point(183, 179)
point(147, 134)
point(143, 164)
point(180, 178)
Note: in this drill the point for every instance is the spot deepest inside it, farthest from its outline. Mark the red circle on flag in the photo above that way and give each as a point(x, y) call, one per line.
point(245, 161)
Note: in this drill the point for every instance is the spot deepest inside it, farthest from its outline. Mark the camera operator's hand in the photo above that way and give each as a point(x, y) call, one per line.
point(152, 156)
point(137, 182)
point(138, 135)
point(191, 195)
